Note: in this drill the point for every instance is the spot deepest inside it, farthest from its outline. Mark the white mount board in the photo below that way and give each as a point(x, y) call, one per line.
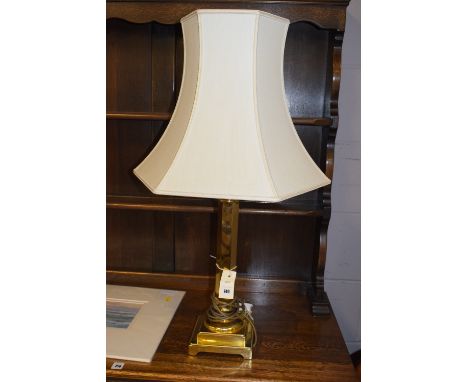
point(136, 320)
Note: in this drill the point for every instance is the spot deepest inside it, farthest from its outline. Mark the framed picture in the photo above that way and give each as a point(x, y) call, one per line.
point(136, 320)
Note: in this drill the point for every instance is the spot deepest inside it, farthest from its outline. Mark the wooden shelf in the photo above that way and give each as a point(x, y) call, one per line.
point(144, 116)
point(292, 344)
point(150, 116)
point(179, 204)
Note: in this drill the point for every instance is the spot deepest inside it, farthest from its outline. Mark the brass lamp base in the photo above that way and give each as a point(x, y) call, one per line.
point(204, 340)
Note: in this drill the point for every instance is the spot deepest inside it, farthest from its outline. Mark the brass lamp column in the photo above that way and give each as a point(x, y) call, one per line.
point(226, 258)
point(226, 327)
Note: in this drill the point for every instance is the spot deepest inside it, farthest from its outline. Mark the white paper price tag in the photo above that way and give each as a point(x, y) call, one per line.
point(117, 365)
point(226, 284)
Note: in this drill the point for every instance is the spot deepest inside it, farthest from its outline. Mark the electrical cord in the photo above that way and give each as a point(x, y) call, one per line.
point(229, 310)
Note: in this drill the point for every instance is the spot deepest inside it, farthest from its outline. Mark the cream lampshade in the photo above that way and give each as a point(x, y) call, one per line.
point(231, 135)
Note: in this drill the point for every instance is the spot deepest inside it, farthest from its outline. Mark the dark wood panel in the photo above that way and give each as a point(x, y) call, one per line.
point(179, 58)
point(163, 99)
point(128, 66)
point(112, 158)
point(130, 240)
point(140, 77)
point(163, 67)
point(164, 251)
point(195, 235)
point(305, 68)
point(311, 138)
point(128, 143)
point(276, 246)
point(139, 241)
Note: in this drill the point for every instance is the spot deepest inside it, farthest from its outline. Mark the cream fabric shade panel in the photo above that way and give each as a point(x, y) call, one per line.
point(231, 135)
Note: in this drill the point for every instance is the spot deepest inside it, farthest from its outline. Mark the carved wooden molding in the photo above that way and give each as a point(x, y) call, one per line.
point(324, 14)
point(334, 93)
point(319, 299)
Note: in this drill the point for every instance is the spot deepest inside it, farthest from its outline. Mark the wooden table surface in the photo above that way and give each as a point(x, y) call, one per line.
point(292, 346)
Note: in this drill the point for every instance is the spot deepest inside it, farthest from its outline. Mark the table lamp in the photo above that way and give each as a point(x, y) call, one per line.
point(230, 138)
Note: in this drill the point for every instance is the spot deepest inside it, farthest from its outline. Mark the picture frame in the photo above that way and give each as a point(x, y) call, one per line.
point(137, 319)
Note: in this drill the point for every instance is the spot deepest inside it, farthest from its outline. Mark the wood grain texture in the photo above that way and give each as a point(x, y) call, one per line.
point(144, 66)
point(179, 204)
point(273, 246)
point(163, 247)
point(306, 48)
point(163, 45)
point(129, 82)
point(320, 304)
point(195, 235)
point(158, 116)
point(292, 345)
point(324, 14)
point(130, 240)
point(128, 143)
point(204, 282)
